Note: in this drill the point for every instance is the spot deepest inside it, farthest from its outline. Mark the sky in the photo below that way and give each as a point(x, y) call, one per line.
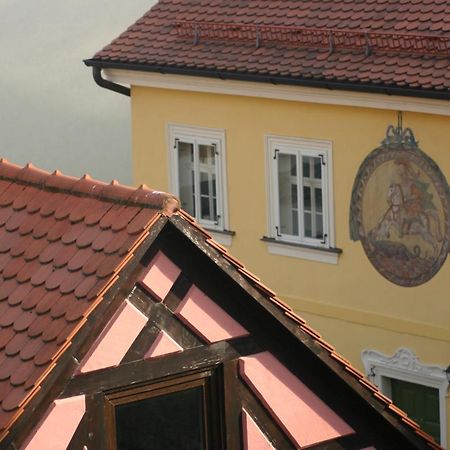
point(52, 113)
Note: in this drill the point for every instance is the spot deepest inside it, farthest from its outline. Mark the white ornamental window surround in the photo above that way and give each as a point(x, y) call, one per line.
point(197, 173)
point(405, 366)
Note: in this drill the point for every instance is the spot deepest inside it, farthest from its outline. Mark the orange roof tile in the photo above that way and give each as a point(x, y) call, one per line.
point(62, 241)
point(344, 44)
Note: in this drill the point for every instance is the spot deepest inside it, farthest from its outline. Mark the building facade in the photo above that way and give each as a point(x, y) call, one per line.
point(292, 165)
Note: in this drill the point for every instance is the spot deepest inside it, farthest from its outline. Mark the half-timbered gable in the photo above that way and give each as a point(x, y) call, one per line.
point(179, 347)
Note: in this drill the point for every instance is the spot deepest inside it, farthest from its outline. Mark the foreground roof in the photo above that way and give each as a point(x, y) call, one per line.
point(378, 45)
point(72, 251)
point(62, 243)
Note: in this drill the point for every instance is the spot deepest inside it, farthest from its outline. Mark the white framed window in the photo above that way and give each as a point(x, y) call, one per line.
point(419, 389)
point(198, 173)
point(299, 192)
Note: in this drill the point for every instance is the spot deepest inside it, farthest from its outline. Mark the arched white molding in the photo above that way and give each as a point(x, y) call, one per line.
point(404, 365)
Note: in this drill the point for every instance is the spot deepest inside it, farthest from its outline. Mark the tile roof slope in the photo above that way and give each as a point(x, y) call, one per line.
point(155, 43)
point(62, 242)
point(299, 323)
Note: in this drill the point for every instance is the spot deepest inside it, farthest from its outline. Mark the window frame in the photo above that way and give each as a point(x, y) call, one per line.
point(212, 403)
point(300, 147)
point(199, 136)
point(405, 366)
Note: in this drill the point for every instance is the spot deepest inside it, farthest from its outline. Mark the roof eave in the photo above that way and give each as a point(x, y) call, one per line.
point(273, 79)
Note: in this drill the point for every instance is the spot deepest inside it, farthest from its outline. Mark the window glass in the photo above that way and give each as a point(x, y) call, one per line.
point(186, 176)
point(312, 197)
point(420, 402)
point(287, 193)
point(197, 180)
point(208, 199)
point(167, 422)
point(299, 191)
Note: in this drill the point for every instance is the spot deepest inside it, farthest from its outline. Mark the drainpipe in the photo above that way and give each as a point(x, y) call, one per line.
point(102, 82)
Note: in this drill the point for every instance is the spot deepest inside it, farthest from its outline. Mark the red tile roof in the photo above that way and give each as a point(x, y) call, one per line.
point(375, 44)
point(62, 242)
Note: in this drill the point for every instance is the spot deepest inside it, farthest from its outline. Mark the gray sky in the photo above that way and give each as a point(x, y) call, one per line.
point(51, 111)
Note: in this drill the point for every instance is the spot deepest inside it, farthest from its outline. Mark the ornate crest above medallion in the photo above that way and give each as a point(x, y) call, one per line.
point(400, 210)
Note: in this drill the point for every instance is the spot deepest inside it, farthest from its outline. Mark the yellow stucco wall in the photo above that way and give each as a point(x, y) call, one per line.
point(354, 132)
point(350, 303)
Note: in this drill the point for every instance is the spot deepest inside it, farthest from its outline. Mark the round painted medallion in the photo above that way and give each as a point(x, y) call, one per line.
point(400, 212)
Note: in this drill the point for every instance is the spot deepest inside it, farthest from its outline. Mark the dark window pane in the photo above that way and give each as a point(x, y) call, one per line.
point(318, 199)
point(308, 226)
point(305, 165)
point(206, 214)
point(168, 422)
point(319, 226)
point(295, 223)
point(294, 195)
point(204, 184)
point(317, 168)
point(307, 198)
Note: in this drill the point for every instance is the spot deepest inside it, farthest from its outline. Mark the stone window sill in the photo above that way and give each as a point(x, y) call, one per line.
point(302, 251)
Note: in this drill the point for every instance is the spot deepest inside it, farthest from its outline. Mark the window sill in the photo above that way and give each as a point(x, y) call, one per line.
point(302, 251)
point(224, 237)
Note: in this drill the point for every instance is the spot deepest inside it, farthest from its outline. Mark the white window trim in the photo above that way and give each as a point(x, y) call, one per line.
point(175, 131)
point(404, 365)
point(314, 252)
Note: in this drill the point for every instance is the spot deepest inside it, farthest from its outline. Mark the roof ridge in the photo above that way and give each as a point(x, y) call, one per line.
point(85, 186)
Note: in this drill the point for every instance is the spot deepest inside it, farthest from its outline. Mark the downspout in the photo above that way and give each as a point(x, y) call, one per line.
point(102, 82)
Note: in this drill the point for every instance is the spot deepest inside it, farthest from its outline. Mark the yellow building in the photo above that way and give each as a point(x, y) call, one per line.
point(262, 128)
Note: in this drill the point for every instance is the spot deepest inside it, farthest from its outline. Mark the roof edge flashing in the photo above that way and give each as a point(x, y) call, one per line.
point(274, 80)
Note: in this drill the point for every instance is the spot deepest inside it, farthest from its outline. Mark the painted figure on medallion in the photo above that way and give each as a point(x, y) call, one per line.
point(400, 210)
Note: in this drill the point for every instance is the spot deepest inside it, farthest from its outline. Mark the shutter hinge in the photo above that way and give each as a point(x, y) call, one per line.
point(218, 217)
point(324, 240)
point(214, 146)
point(322, 159)
point(175, 145)
point(275, 153)
point(277, 229)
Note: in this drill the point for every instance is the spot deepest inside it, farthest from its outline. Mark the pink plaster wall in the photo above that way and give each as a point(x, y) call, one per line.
point(253, 437)
point(163, 345)
point(303, 415)
point(206, 318)
point(58, 426)
point(116, 339)
point(160, 275)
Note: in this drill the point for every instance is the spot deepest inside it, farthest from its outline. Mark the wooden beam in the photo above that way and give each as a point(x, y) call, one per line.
point(178, 292)
point(263, 419)
point(150, 370)
point(352, 442)
point(233, 406)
